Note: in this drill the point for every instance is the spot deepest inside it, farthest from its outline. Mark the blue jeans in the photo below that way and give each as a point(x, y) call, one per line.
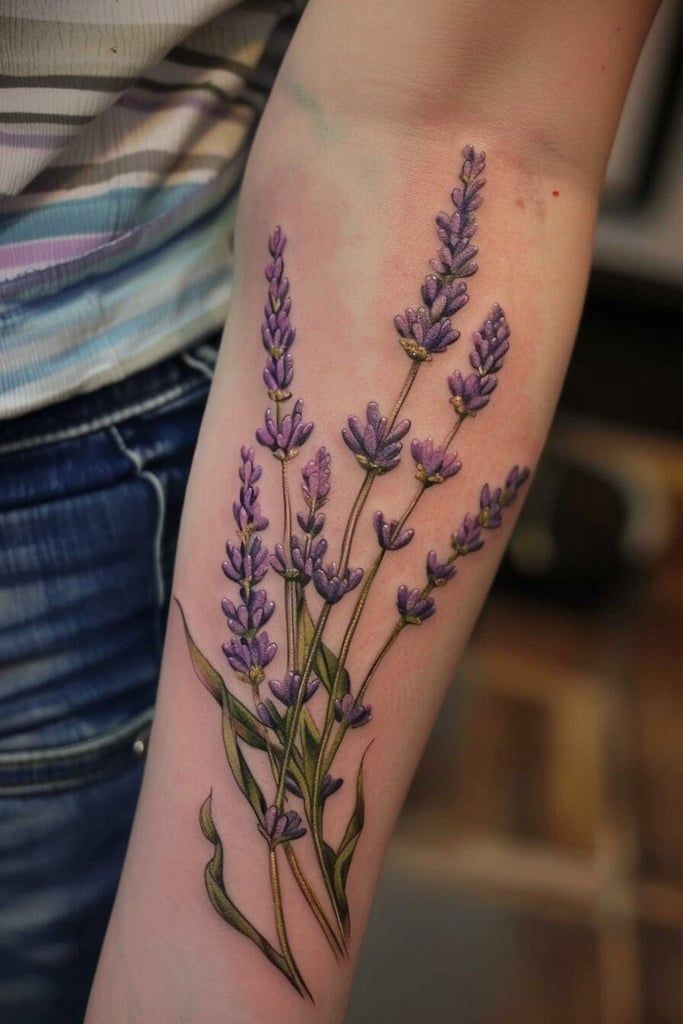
point(90, 499)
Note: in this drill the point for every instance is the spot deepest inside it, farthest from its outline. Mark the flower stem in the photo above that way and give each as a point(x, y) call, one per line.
point(289, 585)
point(301, 880)
point(313, 902)
point(282, 928)
point(405, 390)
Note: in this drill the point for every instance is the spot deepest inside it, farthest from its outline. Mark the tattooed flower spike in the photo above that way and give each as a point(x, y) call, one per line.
point(303, 563)
point(490, 515)
point(246, 563)
point(252, 614)
point(316, 479)
point(422, 338)
point(268, 715)
point(330, 786)
point(376, 446)
point(247, 511)
point(277, 376)
point(433, 463)
point(455, 258)
point(413, 607)
point(248, 657)
point(331, 585)
point(387, 535)
point(514, 481)
point(470, 394)
point(491, 342)
point(439, 573)
point(285, 440)
point(287, 690)
point(347, 710)
point(315, 488)
point(443, 298)
point(281, 828)
point(468, 537)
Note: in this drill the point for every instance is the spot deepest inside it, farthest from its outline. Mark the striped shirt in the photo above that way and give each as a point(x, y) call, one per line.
point(124, 128)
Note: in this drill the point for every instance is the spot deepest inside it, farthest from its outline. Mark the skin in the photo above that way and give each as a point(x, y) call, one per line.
point(359, 147)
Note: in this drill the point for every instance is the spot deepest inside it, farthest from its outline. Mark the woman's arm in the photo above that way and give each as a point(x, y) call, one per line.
point(427, 370)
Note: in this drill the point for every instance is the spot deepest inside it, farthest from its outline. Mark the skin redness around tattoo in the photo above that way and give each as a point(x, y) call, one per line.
point(268, 718)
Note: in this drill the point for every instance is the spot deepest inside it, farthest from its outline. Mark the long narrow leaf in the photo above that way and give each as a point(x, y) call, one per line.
point(247, 726)
point(221, 902)
point(240, 769)
point(347, 847)
point(326, 662)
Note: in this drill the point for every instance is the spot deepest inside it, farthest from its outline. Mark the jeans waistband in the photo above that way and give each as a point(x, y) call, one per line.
point(140, 393)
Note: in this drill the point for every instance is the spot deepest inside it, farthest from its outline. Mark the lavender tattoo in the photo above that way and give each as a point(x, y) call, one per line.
point(299, 744)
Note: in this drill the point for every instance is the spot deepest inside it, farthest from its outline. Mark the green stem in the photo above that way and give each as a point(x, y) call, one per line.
point(405, 390)
point(301, 880)
point(289, 585)
point(281, 926)
point(313, 902)
point(296, 710)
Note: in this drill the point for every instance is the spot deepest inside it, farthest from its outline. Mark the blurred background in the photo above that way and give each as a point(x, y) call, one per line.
point(540, 880)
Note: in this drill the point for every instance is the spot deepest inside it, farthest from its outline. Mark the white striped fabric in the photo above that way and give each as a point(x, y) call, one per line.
point(123, 135)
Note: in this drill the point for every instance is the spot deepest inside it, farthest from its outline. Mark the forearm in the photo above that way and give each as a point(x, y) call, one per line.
point(353, 164)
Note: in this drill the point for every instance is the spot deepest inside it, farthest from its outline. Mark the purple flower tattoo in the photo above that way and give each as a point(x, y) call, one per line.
point(297, 722)
point(433, 463)
point(377, 443)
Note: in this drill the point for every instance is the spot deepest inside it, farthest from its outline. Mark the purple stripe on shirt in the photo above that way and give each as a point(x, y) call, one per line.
point(22, 254)
point(34, 141)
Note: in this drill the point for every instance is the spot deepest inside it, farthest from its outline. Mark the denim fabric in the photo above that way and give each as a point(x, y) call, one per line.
point(90, 500)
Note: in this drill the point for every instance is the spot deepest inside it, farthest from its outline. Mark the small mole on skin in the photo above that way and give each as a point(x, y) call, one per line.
point(555, 192)
point(520, 203)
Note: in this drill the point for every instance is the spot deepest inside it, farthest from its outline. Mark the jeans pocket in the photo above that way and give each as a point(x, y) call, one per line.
point(71, 765)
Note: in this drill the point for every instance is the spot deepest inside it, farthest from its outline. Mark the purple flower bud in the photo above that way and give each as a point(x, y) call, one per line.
point(514, 481)
point(277, 242)
point(316, 479)
point(439, 573)
point(287, 691)
point(277, 376)
point(310, 522)
point(443, 299)
point(387, 535)
point(330, 786)
point(347, 710)
point(434, 464)
point(468, 537)
point(490, 343)
point(302, 565)
point(412, 606)
point(284, 441)
point(248, 656)
point(376, 446)
point(251, 615)
point(247, 511)
point(268, 715)
point(331, 585)
point(281, 828)
point(490, 513)
point(277, 333)
point(293, 787)
point(455, 258)
point(420, 337)
point(471, 393)
point(246, 563)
